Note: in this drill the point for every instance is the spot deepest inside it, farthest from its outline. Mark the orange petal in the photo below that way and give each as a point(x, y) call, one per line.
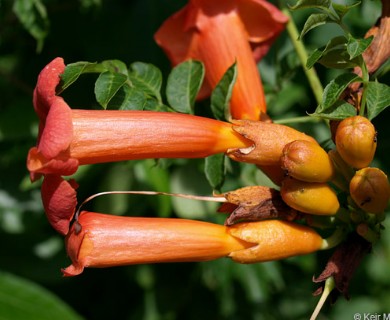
point(59, 201)
point(263, 23)
point(55, 126)
point(45, 90)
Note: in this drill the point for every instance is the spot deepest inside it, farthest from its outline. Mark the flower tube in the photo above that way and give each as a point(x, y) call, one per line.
point(107, 240)
point(101, 240)
point(218, 33)
point(72, 137)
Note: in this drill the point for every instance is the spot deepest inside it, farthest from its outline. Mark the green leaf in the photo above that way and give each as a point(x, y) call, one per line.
point(314, 20)
point(147, 78)
point(338, 58)
point(114, 66)
point(333, 55)
point(22, 299)
point(131, 98)
point(319, 4)
point(334, 89)
point(334, 43)
point(342, 10)
point(338, 111)
point(222, 93)
point(74, 70)
point(183, 85)
point(377, 98)
point(356, 47)
point(215, 170)
point(107, 85)
point(33, 16)
point(314, 57)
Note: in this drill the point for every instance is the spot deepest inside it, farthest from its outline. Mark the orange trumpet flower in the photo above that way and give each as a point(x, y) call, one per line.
point(102, 240)
point(218, 33)
point(72, 137)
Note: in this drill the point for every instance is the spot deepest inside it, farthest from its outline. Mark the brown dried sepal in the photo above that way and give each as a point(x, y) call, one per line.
point(379, 50)
point(269, 140)
point(342, 265)
point(255, 203)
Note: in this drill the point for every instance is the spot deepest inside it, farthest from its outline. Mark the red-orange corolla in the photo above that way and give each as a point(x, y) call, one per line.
point(72, 137)
point(219, 33)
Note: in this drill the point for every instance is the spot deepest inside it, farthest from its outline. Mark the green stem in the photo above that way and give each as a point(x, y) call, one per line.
point(365, 77)
point(311, 74)
point(334, 239)
point(304, 119)
point(328, 287)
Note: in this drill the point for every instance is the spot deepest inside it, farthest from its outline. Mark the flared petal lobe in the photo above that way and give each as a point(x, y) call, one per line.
point(45, 90)
point(263, 23)
point(59, 201)
point(55, 126)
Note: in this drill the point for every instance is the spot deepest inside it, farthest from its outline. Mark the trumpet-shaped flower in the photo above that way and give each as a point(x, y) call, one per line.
point(219, 33)
point(101, 240)
point(107, 240)
point(72, 137)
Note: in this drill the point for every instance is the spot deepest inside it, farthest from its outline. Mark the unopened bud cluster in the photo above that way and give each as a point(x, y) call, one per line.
point(308, 170)
point(315, 179)
point(356, 143)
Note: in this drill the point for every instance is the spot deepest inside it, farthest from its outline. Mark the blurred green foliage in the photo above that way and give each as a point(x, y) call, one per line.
point(31, 253)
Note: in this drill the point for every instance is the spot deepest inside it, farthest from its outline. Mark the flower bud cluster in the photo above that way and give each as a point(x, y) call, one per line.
point(313, 176)
point(356, 141)
point(308, 170)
